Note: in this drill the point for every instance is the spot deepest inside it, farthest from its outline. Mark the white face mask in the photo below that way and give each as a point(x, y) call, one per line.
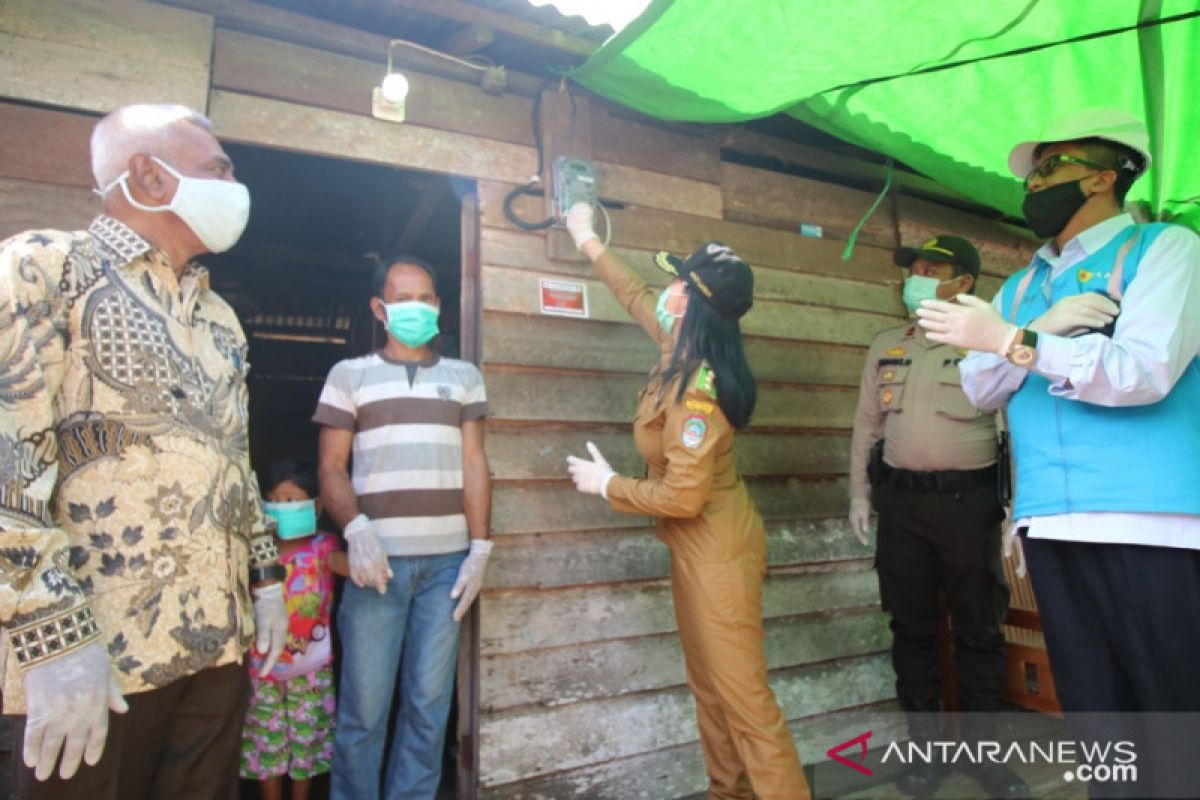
point(217, 211)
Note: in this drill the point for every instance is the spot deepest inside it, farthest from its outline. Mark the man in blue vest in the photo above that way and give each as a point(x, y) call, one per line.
point(1093, 350)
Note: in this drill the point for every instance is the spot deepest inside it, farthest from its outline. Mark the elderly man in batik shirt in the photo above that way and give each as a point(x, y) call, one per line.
point(130, 524)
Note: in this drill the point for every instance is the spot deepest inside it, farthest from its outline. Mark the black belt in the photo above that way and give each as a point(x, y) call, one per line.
point(949, 482)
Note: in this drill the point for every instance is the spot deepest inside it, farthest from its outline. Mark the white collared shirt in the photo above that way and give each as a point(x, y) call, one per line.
point(1156, 336)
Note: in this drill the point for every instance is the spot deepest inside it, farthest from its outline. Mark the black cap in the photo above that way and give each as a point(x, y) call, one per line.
point(944, 250)
point(721, 279)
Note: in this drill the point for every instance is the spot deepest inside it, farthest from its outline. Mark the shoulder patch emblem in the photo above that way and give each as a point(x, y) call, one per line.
point(896, 351)
point(695, 428)
point(706, 381)
point(702, 406)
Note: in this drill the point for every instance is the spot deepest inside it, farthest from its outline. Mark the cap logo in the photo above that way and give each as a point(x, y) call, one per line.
point(700, 284)
point(932, 244)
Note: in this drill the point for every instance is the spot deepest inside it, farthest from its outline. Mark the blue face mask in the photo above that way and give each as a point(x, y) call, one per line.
point(296, 519)
point(666, 320)
point(412, 323)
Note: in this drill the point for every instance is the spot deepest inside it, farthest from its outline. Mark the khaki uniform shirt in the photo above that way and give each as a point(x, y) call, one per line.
point(703, 508)
point(911, 396)
point(128, 511)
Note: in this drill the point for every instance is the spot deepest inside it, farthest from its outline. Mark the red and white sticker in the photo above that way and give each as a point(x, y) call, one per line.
point(563, 298)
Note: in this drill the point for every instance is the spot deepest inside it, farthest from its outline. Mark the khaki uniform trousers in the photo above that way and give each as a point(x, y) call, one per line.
point(746, 743)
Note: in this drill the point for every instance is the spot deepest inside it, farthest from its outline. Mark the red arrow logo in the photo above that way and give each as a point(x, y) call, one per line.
point(835, 753)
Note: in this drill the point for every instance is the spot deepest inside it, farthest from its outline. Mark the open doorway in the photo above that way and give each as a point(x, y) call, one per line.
point(299, 281)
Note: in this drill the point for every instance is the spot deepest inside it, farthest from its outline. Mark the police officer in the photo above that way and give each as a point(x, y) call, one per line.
point(932, 460)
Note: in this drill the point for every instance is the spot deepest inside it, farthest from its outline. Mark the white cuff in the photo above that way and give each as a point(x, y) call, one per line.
point(1008, 342)
point(482, 546)
point(357, 525)
point(604, 485)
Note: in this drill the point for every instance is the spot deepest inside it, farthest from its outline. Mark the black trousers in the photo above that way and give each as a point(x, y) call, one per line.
point(1122, 627)
point(931, 543)
point(181, 742)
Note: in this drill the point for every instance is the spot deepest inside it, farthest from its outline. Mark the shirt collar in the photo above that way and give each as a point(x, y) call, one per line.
point(1086, 242)
point(129, 246)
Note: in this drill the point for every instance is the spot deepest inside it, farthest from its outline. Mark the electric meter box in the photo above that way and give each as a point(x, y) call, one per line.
point(574, 181)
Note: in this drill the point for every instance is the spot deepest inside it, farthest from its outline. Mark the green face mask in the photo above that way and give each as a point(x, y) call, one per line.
point(666, 320)
point(296, 519)
point(918, 288)
point(412, 323)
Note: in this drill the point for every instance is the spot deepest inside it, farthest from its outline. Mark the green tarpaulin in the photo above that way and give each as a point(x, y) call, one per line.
point(946, 86)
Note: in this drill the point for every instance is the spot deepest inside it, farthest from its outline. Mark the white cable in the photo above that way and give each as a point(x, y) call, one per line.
point(607, 224)
point(440, 54)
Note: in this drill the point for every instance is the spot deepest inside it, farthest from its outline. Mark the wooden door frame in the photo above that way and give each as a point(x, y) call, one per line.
point(470, 333)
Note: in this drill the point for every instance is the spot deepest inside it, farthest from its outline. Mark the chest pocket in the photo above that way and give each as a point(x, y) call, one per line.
point(949, 398)
point(891, 379)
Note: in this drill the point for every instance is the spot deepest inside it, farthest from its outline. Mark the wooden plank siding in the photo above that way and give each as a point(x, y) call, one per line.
point(110, 54)
point(581, 684)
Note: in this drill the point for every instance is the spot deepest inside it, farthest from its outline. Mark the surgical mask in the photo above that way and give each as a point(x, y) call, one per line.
point(295, 520)
point(412, 323)
point(1049, 210)
point(666, 320)
point(217, 211)
point(918, 288)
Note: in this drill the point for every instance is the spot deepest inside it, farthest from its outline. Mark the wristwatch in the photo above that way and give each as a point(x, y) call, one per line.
point(1023, 351)
point(271, 572)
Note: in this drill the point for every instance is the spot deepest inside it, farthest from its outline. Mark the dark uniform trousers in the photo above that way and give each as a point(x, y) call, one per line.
point(931, 542)
point(1129, 658)
point(180, 742)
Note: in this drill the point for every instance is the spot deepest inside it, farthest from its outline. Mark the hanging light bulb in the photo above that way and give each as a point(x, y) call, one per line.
point(395, 87)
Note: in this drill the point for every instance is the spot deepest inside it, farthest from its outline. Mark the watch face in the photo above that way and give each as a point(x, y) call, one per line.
point(1022, 355)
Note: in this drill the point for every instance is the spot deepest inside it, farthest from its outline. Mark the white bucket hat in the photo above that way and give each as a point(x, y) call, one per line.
point(1101, 123)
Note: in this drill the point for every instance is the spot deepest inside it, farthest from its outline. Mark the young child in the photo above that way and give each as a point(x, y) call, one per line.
point(289, 725)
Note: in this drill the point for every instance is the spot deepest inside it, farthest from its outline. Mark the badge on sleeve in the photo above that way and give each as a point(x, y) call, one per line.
point(695, 427)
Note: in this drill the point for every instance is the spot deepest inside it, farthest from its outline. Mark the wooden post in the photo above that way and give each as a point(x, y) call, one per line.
point(566, 121)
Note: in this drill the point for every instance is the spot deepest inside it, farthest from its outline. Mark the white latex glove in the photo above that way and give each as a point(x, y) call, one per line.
point(270, 624)
point(860, 515)
point(1012, 546)
point(1076, 312)
point(368, 562)
point(470, 576)
point(591, 477)
point(971, 323)
point(580, 222)
point(67, 702)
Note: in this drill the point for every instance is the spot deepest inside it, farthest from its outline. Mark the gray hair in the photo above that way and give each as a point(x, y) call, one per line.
point(142, 128)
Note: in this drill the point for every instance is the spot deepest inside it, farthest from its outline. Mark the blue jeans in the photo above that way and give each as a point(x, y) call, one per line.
point(408, 632)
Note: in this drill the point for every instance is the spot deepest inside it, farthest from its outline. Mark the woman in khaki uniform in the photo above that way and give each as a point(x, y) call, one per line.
point(701, 390)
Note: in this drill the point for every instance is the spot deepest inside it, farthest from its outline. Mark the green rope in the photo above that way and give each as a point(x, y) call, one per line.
point(887, 184)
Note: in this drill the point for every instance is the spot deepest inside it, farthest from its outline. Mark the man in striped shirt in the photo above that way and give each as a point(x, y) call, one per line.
point(418, 495)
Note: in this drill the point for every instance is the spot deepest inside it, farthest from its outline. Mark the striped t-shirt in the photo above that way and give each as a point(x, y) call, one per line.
point(407, 454)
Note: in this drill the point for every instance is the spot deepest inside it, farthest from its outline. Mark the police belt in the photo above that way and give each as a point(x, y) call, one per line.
point(949, 481)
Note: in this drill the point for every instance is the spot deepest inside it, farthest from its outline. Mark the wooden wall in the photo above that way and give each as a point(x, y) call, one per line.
point(582, 690)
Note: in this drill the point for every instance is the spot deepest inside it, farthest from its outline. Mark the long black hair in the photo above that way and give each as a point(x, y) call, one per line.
point(705, 336)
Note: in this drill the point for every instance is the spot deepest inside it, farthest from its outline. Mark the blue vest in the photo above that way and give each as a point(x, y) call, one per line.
point(1074, 456)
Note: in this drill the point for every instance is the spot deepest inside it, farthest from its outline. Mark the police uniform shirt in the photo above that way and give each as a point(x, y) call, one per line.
point(911, 396)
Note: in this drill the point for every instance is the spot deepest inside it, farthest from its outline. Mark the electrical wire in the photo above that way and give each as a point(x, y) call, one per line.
point(465, 62)
point(536, 180)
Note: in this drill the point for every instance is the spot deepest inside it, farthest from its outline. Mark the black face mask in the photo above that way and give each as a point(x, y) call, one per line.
point(1049, 210)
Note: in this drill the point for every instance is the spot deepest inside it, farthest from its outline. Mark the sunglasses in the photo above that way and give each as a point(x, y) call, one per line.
point(1052, 163)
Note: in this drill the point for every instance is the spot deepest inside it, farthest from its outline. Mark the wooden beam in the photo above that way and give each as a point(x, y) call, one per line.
point(45, 146)
point(506, 24)
point(288, 26)
point(469, 39)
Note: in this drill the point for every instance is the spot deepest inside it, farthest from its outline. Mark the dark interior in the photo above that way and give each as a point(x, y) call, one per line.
point(300, 277)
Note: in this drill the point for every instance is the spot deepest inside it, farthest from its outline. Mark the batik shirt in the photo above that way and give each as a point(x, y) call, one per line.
point(128, 511)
